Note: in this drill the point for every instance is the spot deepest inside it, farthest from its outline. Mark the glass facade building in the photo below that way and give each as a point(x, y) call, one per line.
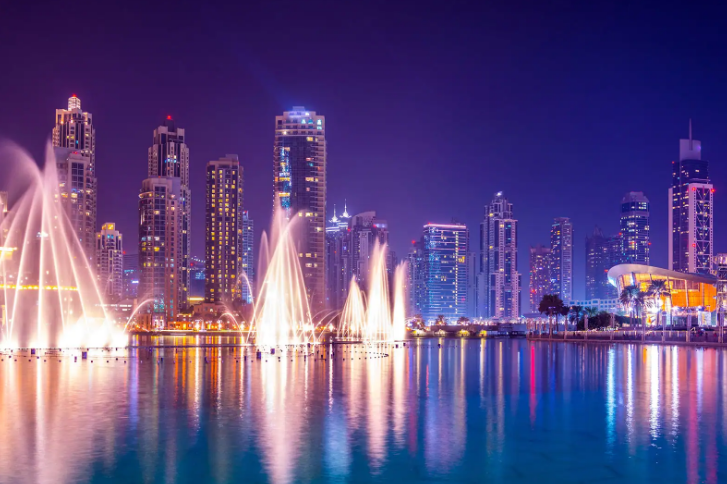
point(224, 231)
point(299, 187)
point(561, 256)
point(634, 228)
point(498, 288)
point(691, 200)
point(445, 270)
point(110, 263)
point(602, 253)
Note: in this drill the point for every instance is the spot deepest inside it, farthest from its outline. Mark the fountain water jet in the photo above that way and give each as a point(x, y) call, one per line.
point(282, 315)
point(49, 293)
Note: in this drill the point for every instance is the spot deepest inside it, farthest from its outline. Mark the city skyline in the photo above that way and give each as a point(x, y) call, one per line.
point(618, 140)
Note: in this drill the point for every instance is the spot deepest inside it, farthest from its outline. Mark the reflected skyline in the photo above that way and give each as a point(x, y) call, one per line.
point(219, 414)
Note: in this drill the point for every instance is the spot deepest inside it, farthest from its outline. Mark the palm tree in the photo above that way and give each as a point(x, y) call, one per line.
point(463, 320)
point(441, 320)
point(575, 312)
point(551, 305)
point(642, 301)
point(592, 311)
point(627, 298)
point(658, 289)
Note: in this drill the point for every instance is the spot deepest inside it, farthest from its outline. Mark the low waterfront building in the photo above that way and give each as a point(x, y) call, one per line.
point(690, 296)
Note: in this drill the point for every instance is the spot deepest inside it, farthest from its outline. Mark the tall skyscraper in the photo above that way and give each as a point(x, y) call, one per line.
point(602, 253)
point(168, 188)
point(561, 256)
point(131, 276)
point(445, 270)
point(338, 260)
point(539, 275)
point(160, 248)
point(299, 166)
point(365, 231)
point(499, 286)
point(110, 263)
point(74, 130)
point(691, 218)
point(415, 281)
point(76, 195)
point(634, 228)
point(248, 258)
point(473, 264)
point(169, 157)
point(224, 233)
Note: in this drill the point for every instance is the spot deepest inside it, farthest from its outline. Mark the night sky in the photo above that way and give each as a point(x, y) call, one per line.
point(430, 107)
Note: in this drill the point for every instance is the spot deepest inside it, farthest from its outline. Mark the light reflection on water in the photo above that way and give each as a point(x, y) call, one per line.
point(469, 411)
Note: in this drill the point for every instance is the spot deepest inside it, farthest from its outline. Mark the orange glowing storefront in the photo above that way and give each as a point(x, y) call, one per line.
point(692, 295)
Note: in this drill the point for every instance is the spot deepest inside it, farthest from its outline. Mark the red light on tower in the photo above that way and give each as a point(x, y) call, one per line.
point(169, 117)
point(712, 190)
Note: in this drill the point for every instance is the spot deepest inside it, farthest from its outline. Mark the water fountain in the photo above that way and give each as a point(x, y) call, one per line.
point(48, 289)
point(282, 315)
point(370, 317)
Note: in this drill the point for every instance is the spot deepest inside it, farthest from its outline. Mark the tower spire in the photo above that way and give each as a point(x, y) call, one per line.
point(691, 144)
point(345, 209)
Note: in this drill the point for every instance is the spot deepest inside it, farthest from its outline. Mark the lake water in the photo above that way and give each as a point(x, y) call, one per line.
point(470, 411)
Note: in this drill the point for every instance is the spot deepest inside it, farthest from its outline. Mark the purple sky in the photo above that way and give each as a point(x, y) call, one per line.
point(430, 109)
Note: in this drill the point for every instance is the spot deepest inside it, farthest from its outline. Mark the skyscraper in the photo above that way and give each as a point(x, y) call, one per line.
point(634, 228)
point(76, 195)
point(338, 260)
point(473, 264)
point(499, 286)
point(691, 198)
point(169, 157)
point(299, 185)
point(160, 248)
point(366, 230)
point(561, 256)
point(539, 275)
point(415, 282)
point(224, 231)
point(445, 270)
point(248, 258)
point(602, 253)
point(74, 130)
point(131, 276)
point(110, 263)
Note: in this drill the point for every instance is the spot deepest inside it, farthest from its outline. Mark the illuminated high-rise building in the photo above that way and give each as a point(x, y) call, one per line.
point(224, 231)
point(539, 275)
point(602, 253)
point(110, 263)
point(365, 231)
point(445, 270)
point(499, 282)
point(75, 131)
point(691, 218)
point(634, 228)
point(299, 185)
point(168, 157)
point(160, 249)
point(76, 195)
point(561, 257)
point(415, 282)
point(338, 260)
point(248, 259)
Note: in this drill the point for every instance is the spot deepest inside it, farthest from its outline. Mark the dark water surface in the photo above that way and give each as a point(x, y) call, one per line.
point(472, 411)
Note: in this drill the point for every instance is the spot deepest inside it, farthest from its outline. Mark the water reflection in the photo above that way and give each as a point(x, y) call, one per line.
point(468, 410)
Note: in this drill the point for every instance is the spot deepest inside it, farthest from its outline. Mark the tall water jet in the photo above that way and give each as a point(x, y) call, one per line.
point(49, 292)
point(378, 311)
point(282, 314)
point(353, 316)
point(398, 330)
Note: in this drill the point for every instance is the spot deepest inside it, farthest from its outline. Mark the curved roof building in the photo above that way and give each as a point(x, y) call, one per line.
point(687, 290)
